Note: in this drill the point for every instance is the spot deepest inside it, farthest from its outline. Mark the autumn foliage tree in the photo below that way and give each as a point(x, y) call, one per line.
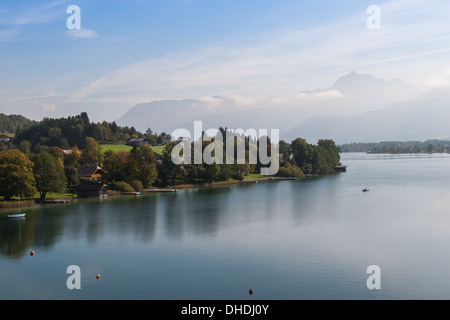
point(16, 175)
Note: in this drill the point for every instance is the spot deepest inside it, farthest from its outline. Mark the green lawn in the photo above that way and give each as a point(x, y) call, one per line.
point(50, 195)
point(127, 148)
point(252, 176)
point(117, 147)
point(55, 195)
point(158, 149)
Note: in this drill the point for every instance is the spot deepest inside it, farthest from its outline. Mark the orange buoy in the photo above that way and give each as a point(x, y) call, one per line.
point(31, 253)
point(98, 276)
point(250, 291)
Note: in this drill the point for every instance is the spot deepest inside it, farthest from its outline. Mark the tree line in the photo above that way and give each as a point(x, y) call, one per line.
point(72, 131)
point(295, 160)
point(9, 123)
point(43, 164)
point(398, 147)
point(53, 170)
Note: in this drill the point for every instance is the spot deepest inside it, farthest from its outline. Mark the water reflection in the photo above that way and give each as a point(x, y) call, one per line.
point(176, 216)
point(195, 212)
point(16, 235)
point(311, 238)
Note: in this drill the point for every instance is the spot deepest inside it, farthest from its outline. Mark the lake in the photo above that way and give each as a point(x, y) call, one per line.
point(287, 240)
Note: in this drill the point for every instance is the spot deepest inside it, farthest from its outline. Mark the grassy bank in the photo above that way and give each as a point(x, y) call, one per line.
point(158, 149)
point(15, 204)
point(254, 176)
point(204, 185)
point(117, 147)
point(123, 147)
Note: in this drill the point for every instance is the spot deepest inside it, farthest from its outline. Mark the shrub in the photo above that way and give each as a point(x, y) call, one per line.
point(136, 185)
point(290, 171)
point(121, 186)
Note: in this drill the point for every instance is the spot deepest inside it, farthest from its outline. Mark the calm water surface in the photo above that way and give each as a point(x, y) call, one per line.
point(290, 240)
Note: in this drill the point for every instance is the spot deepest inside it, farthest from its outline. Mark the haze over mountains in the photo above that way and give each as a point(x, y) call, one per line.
point(356, 108)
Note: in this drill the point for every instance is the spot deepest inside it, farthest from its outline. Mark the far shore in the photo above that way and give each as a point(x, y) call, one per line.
point(26, 203)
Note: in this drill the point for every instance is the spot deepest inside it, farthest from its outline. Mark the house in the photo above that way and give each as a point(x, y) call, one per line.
point(137, 142)
point(67, 152)
point(183, 139)
point(5, 138)
point(92, 190)
point(167, 139)
point(158, 158)
point(93, 173)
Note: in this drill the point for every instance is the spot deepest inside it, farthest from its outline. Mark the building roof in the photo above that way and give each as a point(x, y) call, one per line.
point(67, 151)
point(89, 171)
point(91, 187)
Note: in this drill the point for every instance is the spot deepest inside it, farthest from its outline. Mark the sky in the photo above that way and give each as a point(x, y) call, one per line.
point(135, 51)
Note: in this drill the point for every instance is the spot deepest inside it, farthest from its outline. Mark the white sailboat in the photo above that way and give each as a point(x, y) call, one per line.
point(17, 215)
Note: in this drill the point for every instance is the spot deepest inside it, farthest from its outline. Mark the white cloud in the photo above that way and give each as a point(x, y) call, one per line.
point(42, 13)
point(410, 44)
point(46, 106)
point(442, 79)
point(82, 33)
point(290, 61)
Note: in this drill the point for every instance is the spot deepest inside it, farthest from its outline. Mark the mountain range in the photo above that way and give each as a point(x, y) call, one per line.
point(356, 108)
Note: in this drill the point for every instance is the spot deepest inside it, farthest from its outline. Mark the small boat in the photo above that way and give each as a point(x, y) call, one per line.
point(365, 190)
point(16, 215)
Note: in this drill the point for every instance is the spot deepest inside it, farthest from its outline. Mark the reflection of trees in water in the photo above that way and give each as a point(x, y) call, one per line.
point(195, 212)
point(16, 236)
point(91, 220)
point(198, 210)
point(49, 226)
point(135, 217)
point(122, 217)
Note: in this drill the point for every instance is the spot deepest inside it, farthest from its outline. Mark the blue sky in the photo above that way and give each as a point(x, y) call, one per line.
point(134, 51)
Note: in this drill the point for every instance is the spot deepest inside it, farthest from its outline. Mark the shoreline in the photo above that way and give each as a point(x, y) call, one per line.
point(14, 204)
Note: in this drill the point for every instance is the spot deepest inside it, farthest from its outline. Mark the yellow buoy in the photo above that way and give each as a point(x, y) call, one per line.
point(98, 276)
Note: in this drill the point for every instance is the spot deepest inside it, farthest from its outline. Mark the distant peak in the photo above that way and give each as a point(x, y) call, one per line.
point(353, 73)
point(355, 80)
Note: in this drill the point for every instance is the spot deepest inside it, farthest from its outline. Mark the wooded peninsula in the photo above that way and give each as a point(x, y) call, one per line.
point(74, 156)
point(397, 147)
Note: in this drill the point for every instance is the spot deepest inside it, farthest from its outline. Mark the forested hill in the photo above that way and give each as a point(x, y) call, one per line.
point(9, 123)
point(428, 146)
point(67, 132)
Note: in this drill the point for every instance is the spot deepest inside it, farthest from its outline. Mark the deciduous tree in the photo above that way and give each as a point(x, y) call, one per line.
point(16, 174)
point(49, 174)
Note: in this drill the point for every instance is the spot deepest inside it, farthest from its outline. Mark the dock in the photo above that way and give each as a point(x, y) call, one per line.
point(340, 169)
point(159, 190)
point(132, 193)
point(57, 200)
point(267, 179)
